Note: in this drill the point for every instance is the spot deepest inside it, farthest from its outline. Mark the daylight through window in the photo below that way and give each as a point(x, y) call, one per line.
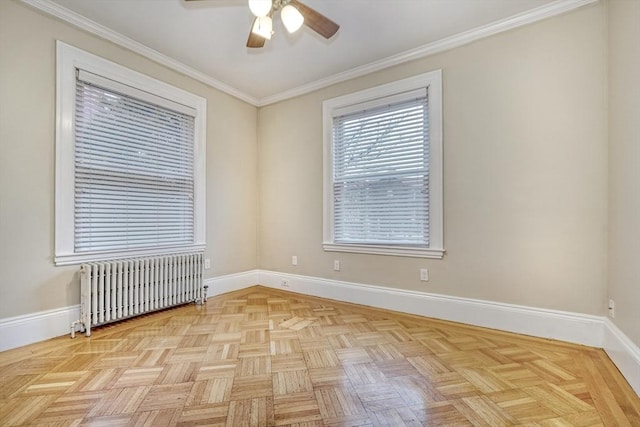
point(130, 163)
point(133, 172)
point(383, 162)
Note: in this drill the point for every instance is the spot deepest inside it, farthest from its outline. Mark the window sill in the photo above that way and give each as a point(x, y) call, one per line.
point(74, 259)
point(405, 251)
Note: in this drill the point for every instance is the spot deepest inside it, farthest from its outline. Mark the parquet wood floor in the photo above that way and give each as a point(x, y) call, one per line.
point(262, 357)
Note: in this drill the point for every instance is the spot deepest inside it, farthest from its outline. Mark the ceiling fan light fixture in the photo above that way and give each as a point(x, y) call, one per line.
point(263, 26)
point(260, 8)
point(291, 18)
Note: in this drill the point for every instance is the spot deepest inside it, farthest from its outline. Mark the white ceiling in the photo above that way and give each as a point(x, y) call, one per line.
point(209, 36)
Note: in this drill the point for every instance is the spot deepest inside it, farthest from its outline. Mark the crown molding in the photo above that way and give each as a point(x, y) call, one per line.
point(547, 11)
point(106, 33)
point(515, 21)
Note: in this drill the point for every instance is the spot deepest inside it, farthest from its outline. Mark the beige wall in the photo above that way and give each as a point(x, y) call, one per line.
point(525, 170)
point(29, 281)
point(624, 164)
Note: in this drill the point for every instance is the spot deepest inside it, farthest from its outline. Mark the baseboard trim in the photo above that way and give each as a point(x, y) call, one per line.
point(231, 282)
point(565, 326)
point(624, 354)
point(34, 327)
point(594, 331)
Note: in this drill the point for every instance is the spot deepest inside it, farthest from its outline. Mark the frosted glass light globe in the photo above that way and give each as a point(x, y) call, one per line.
point(263, 27)
point(260, 8)
point(291, 18)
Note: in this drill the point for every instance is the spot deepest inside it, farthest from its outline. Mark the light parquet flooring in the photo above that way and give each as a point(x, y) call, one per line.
point(262, 357)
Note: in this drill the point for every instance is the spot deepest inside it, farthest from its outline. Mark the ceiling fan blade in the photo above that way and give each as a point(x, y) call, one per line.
point(254, 40)
point(315, 20)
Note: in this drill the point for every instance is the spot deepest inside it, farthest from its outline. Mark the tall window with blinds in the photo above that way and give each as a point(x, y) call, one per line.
point(130, 163)
point(381, 174)
point(383, 169)
point(133, 172)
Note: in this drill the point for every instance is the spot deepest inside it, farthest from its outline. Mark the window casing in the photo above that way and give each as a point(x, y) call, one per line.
point(129, 162)
point(383, 169)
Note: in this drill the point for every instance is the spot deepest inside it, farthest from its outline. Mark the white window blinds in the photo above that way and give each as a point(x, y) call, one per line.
point(381, 173)
point(134, 169)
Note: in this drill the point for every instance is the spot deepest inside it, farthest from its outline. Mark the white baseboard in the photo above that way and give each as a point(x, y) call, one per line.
point(30, 328)
point(594, 331)
point(231, 282)
point(538, 322)
point(34, 327)
point(624, 353)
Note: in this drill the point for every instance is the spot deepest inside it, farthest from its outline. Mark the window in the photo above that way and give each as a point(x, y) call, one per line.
point(129, 162)
point(383, 169)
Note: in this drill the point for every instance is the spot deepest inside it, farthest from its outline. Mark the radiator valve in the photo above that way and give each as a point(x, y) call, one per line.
point(73, 327)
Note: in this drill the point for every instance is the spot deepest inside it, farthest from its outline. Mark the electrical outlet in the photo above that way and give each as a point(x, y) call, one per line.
point(207, 263)
point(336, 265)
point(424, 274)
point(284, 283)
point(612, 308)
point(294, 260)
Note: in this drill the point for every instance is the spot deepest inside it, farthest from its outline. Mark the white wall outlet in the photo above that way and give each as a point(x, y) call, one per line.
point(336, 265)
point(424, 274)
point(612, 308)
point(207, 263)
point(284, 283)
point(294, 260)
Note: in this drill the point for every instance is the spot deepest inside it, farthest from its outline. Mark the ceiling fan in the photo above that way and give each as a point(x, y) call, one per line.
point(293, 14)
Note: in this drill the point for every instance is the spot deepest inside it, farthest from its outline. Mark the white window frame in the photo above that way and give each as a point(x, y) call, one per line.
point(432, 82)
point(69, 60)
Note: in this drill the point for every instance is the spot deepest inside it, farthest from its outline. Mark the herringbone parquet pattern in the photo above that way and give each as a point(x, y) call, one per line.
point(261, 357)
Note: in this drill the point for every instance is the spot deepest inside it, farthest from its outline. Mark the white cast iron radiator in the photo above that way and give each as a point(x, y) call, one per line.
point(119, 289)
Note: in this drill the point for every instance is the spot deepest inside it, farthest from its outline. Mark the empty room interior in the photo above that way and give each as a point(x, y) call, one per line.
point(320, 212)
